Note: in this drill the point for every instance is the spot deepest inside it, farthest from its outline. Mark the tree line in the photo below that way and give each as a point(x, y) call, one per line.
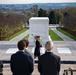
point(66, 18)
point(69, 19)
point(11, 22)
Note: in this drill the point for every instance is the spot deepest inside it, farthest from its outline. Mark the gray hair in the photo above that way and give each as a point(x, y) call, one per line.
point(48, 45)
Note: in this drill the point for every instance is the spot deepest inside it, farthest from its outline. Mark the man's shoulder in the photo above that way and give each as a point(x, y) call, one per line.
point(43, 55)
point(56, 56)
point(51, 54)
point(28, 53)
point(29, 56)
point(13, 55)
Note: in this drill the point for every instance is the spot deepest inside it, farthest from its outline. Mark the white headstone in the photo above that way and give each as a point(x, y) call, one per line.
point(39, 26)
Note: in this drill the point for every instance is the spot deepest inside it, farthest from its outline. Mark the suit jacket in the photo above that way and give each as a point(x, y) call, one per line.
point(49, 64)
point(1, 67)
point(37, 48)
point(29, 55)
point(21, 63)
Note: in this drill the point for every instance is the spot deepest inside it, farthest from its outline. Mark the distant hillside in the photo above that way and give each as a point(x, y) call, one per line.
point(40, 5)
point(56, 5)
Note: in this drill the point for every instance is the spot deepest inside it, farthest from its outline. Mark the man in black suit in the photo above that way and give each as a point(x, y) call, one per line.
point(49, 63)
point(21, 63)
point(1, 67)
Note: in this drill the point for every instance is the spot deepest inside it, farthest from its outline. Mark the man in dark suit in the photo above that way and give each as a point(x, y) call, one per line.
point(49, 63)
point(1, 67)
point(21, 63)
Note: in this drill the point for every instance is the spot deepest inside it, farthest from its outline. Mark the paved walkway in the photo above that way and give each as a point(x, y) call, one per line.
point(63, 36)
point(20, 36)
point(71, 45)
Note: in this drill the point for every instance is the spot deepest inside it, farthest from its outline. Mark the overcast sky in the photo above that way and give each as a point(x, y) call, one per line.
point(33, 1)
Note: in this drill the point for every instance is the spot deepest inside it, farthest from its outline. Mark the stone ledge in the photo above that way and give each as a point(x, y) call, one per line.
point(62, 62)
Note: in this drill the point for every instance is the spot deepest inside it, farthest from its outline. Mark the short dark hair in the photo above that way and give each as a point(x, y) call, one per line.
point(21, 44)
point(27, 42)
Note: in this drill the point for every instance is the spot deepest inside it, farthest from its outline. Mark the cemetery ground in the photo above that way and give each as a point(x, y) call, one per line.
point(52, 34)
point(55, 37)
point(16, 34)
point(71, 34)
point(26, 37)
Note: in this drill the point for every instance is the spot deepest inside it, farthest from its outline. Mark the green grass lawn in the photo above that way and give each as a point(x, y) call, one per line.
point(13, 36)
point(54, 36)
point(68, 34)
point(26, 37)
